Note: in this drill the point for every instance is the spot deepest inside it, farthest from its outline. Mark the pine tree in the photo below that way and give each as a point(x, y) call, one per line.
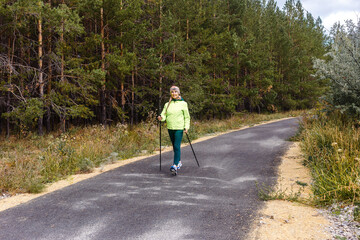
point(108, 61)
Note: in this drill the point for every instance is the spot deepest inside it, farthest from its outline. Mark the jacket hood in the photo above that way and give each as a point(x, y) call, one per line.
point(181, 99)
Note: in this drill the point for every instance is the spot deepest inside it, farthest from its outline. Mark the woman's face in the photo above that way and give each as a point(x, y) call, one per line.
point(174, 94)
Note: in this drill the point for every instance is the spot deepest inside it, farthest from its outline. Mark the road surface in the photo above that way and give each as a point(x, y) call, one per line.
point(217, 201)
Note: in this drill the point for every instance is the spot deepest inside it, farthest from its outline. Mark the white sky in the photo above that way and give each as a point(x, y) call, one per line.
point(330, 11)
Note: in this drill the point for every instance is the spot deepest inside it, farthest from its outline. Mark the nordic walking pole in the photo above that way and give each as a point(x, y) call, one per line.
point(192, 149)
point(160, 115)
point(160, 141)
point(160, 144)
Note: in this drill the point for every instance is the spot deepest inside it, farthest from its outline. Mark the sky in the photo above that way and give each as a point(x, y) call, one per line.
point(330, 11)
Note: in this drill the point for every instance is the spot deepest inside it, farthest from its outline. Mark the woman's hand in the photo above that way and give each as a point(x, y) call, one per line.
point(185, 130)
point(159, 118)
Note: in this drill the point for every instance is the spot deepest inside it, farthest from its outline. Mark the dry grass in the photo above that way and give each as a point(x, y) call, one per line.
point(29, 163)
point(332, 148)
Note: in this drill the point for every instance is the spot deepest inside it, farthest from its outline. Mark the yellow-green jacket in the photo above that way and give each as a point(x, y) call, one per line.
point(177, 115)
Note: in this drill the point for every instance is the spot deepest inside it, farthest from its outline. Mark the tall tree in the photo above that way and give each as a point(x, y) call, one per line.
point(108, 60)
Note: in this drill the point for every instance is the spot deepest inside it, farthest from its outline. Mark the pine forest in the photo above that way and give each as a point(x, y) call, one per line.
point(69, 62)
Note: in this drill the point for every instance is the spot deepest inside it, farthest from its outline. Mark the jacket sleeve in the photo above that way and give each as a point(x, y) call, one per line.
point(186, 116)
point(163, 115)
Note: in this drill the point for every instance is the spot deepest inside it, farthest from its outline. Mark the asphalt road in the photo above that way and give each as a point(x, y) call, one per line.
point(217, 201)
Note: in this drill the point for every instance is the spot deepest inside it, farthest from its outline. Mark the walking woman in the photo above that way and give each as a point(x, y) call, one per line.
point(176, 114)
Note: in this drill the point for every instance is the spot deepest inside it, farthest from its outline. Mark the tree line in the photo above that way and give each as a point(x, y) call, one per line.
point(107, 61)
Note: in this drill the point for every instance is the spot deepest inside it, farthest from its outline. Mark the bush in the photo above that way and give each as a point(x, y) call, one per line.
point(343, 70)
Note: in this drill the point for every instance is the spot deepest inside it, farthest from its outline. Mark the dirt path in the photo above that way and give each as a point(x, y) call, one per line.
point(284, 220)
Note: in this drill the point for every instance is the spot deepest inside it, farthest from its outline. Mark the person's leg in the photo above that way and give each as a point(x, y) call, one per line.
point(173, 168)
point(172, 138)
point(172, 135)
point(176, 145)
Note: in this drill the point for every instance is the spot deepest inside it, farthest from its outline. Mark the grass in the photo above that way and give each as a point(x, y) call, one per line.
point(267, 193)
point(357, 213)
point(27, 164)
point(331, 144)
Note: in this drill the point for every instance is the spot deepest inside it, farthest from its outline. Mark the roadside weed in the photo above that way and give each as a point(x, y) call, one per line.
point(267, 193)
point(301, 183)
point(332, 149)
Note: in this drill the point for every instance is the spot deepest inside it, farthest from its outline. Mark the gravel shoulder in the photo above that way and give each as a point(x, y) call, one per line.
point(281, 219)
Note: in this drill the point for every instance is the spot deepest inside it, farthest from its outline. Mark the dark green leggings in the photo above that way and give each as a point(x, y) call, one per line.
point(176, 137)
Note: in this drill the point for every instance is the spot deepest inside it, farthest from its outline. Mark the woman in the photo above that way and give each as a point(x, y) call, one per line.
point(176, 114)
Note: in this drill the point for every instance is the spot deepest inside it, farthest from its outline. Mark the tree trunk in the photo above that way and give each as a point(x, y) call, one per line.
point(174, 51)
point(122, 102)
point(28, 50)
point(41, 80)
point(132, 96)
point(62, 70)
point(22, 56)
point(8, 109)
point(121, 33)
point(160, 72)
point(122, 80)
point(62, 123)
point(136, 112)
point(48, 108)
point(8, 119)
point(103, 87)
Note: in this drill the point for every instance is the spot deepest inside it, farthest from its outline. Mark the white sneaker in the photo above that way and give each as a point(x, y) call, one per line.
point(179, 165)
point(173, 169)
